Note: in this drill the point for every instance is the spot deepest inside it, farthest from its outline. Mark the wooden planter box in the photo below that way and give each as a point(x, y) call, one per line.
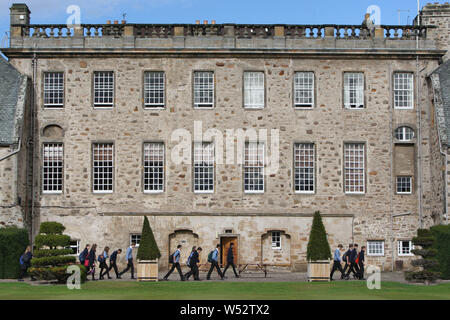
point(147, 270)
point(319, 270)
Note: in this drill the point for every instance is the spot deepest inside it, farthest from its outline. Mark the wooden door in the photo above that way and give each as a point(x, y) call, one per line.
point(225, 245)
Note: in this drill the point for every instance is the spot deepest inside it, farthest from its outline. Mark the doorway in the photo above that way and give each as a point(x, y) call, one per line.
point(225, 242)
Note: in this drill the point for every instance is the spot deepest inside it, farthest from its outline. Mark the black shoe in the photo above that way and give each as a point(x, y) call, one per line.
point(109, 278)
point(347, 278)
point(119, 277)
point(101, 278)
point(237, 276)
point(208, 278)
point(197, 280)
point(21, 280)
point(182, 279)
point(165, 279)
point(222, 278)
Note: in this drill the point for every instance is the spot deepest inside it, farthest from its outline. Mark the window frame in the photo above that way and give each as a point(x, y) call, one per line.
point(369, 253)
point(349, 107)
point(202, 106)
point(313, 96)
point(136, 242)
point(77, 246)
point(403, 133)
point(43, 167)
point(400, 248)
point(263, 89)
point(213, 166)
point(54, 106)
point(276, 234)
point(164, 83)
point(113, 168)
point(163, 167)
point(410, 184)
point(394, 90)
point(104, 105)
point(313, 168)
point(262, 168)
point(364, 169)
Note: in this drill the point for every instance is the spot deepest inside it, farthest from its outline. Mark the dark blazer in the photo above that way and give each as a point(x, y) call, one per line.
point(113, 257)
point(84, 254)
point(361, 256)
point(194, 259)
point(92, 257)
point(353, 256)
point(230, 255)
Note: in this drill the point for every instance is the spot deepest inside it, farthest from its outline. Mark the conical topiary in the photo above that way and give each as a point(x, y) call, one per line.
point(318, 246)
point(148, 249)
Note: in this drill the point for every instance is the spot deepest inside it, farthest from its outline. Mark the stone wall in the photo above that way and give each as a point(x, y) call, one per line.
point(10, 209)
point(438, 15)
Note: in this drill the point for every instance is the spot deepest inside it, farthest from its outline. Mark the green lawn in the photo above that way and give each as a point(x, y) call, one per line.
point(220, 290)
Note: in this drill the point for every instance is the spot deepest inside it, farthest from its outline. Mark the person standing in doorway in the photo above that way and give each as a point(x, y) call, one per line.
point(230, 261)
point(337, 262)
point(129, 257)
point(175, 264)
point(214, 260)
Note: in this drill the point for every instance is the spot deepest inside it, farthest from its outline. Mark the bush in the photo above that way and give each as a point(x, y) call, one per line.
point(442, 246)
point(52, 255)
point(429, 266)
point(318, 246)
point(148, 249)
point(13, 242)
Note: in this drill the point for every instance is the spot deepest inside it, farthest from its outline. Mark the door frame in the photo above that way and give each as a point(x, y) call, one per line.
point(230, 235)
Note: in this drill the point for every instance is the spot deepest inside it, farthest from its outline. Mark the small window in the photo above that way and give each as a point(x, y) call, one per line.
point(135, 239)
point(254, 90)
point(203, 167)
point(52, 168)
point(375, 248)
point(103, 167)
point(354, 90)
point(276, 240)
point(304, 89)
point(103, 89)
point(403, 90)
point(254, 167)
point(404, 133)
point(405, 247)
point(154, 89)
point(228, 230)
point(204, 89)
point(53, 89)
point(75, 246)
point(404, 185)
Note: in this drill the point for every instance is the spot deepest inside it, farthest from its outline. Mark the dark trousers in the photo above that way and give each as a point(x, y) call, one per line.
point(104, 266)
point(177, 266)
point(336, 266)
point(214, 264)
point(92, 270)
point(23, 272)
point(193, 271)
point(353, 268)
point(361, 270)
point(113, 265)
point(130, 265)
point(230, 263)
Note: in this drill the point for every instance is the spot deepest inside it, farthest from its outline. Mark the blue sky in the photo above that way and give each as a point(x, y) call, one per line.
point(233, 11)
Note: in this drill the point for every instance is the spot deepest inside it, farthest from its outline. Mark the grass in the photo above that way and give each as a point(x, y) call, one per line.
point(111, 290)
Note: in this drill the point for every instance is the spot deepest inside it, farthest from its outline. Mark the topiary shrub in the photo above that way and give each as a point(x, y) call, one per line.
point(13, 242)
point(148, 249)
point(442, 248)
point(52, 257)
point(318, 246)
point(428, 265)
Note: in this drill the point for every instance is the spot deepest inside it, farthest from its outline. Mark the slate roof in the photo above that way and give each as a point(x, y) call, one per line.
point(12, 100)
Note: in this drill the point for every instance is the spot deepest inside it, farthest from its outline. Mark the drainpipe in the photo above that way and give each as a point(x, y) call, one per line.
point(419, 118)
point(391, 178)
point(12, 152)
point(32, 141)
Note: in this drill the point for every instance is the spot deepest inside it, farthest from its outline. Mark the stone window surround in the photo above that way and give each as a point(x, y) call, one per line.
point(263, 168)
point(214, 90)
point(392, 92)
point(113, 171)
point(51, 142)
point(314, 172)
point(364, 106)
point(243, 88)
point(402, 125)
point(151, 107)
point(54, 107)
point(365, 168)
point(314, 96)
point(411, 184)
point(400, 247)
point(100, 107)
point(194, 144)
point(143, 168)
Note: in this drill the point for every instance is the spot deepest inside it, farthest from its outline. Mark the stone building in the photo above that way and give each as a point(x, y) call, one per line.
point(348, 110)
point(14, 134)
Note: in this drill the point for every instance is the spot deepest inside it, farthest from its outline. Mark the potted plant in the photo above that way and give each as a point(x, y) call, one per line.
point(148, 255)
point(318, 252)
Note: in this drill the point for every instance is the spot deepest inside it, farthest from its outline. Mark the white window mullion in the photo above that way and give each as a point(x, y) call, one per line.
point(103, 89)
point(354, 168)
point(304, 89)
point(254, 90)
point(354, 90)
point(52, 168)
point(403, 90)
point(153, 167)
point(304, 168)
point(103, 168)
point(203, 167)
point(204, 89)
point(154, 89)
point(53, 89)
point(254, 167)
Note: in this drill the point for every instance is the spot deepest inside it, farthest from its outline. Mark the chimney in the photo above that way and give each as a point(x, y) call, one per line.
point(197, 21)
point(108, 21)
point(19, 14)
point(205, 21)
point(116, 21)
point(213, 21)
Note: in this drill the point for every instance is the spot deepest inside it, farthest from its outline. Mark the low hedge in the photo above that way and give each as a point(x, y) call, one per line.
point(52, 261)
point(51, 253)
point(13, 242)
point(442, 245)
point(56, 273)
point(51, 240)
